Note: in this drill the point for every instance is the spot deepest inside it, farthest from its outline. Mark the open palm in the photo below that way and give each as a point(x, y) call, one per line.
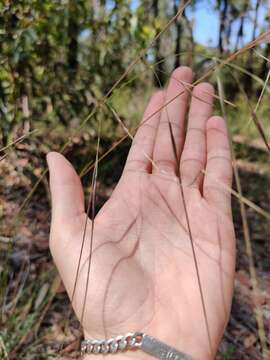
point(163, 245)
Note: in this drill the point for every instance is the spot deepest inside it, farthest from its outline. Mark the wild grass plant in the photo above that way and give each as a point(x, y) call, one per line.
point(33, 322)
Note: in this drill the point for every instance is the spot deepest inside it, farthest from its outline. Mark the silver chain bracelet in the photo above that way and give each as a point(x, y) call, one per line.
point(132, 341)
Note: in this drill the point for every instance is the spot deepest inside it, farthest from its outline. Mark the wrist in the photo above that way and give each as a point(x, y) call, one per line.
point(151, 344)
point(185, 339)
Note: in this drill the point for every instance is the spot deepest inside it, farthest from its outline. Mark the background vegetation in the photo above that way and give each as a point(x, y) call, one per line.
point(62, 63)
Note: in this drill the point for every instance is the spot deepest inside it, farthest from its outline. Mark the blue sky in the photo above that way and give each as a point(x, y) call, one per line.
point(206, 21)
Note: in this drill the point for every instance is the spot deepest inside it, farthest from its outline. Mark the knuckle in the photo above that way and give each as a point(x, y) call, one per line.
point(136, 164)
point(158, 96)
point(203, 88)
point(165, 165)
point(222, 153)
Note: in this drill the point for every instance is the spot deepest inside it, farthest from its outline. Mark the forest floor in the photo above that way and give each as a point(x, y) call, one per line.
point(35, 312)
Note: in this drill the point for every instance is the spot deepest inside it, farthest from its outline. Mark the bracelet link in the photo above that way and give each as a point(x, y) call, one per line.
point(131, 340)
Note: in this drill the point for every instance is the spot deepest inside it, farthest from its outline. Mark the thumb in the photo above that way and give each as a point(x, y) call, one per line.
point(66, 189)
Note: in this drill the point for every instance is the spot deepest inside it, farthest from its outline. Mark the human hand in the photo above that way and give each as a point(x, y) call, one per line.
point(143, 273)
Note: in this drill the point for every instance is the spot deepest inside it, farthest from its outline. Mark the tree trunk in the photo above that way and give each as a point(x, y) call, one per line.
point(265, 64)
point(240, 32)
point(178, 36)
point(73, 33)
point(159, 75)
point(223, 7)
point(248, 84)
point(191, 47)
